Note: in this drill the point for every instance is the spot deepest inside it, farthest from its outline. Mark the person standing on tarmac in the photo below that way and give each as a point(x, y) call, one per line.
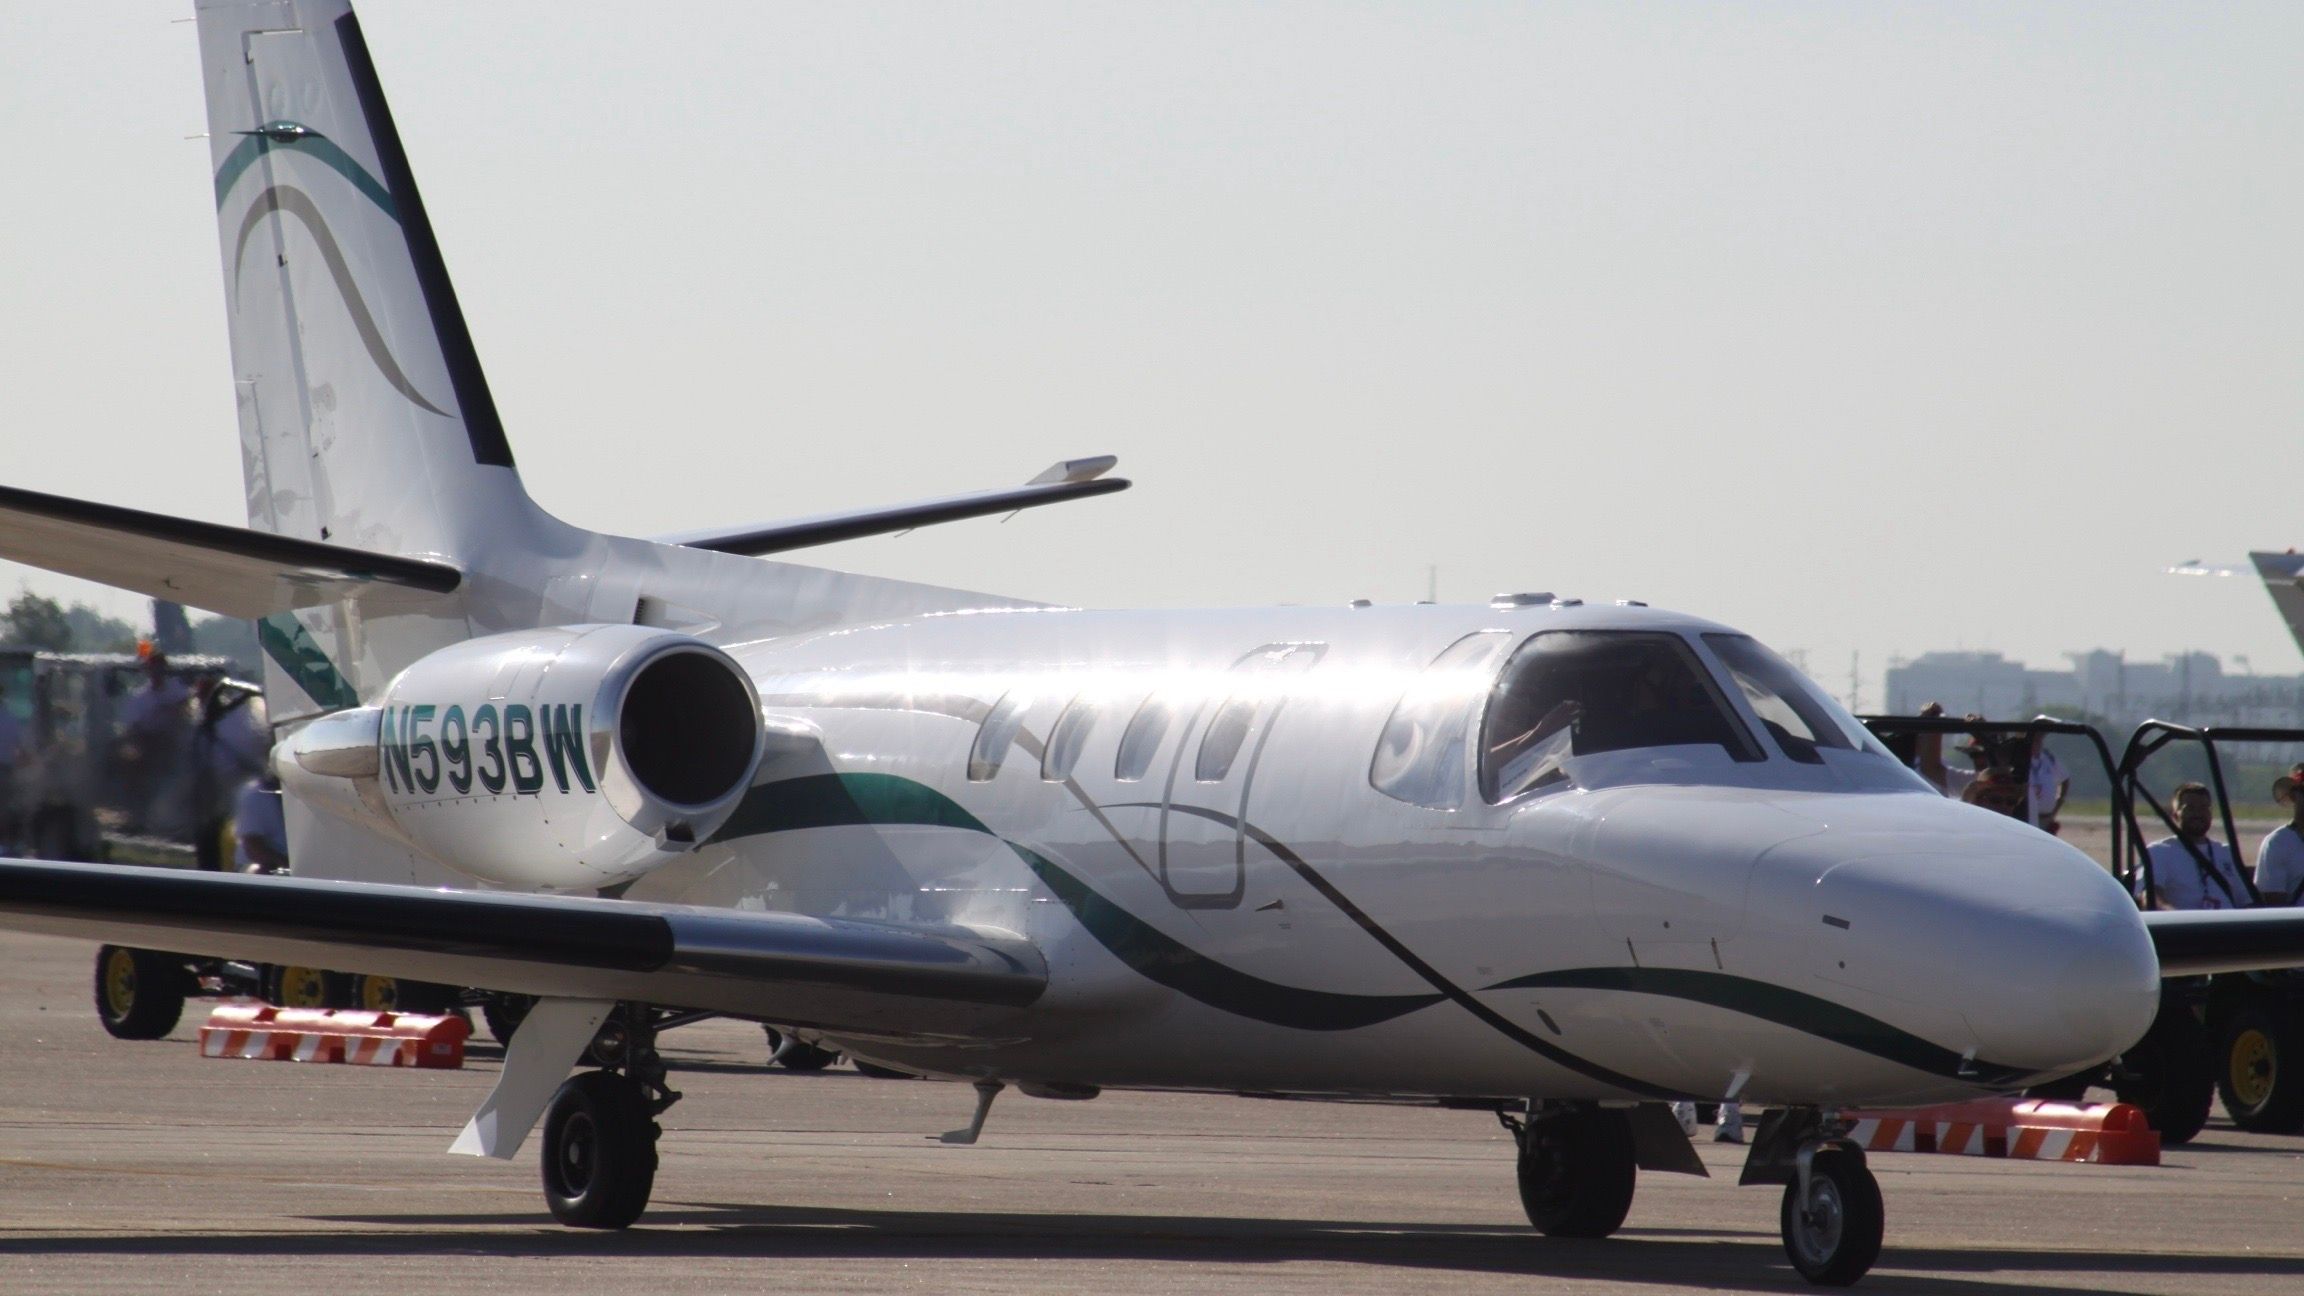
point(2280, 860)
point(260, 825)
point(2188, 870)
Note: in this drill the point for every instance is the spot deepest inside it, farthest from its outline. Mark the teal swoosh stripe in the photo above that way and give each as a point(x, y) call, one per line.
point(887, 800)
point(1806, 1013)
point(311, 143)
point(290, 646)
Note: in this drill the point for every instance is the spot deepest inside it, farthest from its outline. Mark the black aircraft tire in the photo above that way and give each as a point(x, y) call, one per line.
point(1836, 1237)
point(503, 1014)
point(796, 1056)
point(2170, 1074)
point(599, 1154)
point(1577, 1173)
point(139, 994)
point(2259, 1075)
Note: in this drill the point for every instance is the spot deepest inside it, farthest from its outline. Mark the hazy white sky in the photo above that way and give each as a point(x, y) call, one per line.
point(1863, 327)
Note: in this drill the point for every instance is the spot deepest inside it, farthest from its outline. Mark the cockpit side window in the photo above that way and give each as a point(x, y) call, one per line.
point(1420, 755)
point(1801, 720)
point(1577, 692)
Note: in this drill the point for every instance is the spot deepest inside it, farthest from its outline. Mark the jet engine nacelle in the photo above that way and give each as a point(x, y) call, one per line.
point(570, 758)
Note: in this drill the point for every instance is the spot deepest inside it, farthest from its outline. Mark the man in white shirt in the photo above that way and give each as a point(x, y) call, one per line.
point(2188, 871)
point(2049, 785)
point(2280, 860)
point(261, 827)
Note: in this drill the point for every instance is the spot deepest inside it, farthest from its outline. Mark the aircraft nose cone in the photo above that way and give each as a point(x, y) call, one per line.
point(2033, 945)
point(2064, 987)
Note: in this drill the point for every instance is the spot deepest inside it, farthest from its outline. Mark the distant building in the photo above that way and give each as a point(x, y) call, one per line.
point(2191, 688)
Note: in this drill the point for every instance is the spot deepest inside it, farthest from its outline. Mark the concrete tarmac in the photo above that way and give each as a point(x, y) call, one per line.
point(135, 1168)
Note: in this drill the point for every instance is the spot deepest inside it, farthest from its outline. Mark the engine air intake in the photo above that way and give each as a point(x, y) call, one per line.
point(687, 729)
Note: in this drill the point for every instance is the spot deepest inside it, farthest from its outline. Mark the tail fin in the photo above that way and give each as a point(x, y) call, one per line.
point(365, 420)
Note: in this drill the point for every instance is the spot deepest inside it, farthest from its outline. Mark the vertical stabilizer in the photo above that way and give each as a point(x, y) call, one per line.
point(365, 419)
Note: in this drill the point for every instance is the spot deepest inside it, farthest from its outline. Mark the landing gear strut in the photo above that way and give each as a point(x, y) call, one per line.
point(1577, 1169)
point(599, 1153)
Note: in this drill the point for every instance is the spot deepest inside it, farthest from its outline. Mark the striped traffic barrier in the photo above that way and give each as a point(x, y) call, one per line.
point(2020, 1129)
point(261, 1032)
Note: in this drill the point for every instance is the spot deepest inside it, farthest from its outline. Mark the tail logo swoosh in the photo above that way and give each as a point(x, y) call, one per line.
point(289, 201)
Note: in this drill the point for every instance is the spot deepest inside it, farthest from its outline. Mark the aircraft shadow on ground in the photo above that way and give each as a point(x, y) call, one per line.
point(707, 1230)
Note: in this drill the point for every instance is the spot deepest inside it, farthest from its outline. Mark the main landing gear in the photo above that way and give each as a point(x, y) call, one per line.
point(1577, 1168)
point(1579, 1162)
point(599, 1153)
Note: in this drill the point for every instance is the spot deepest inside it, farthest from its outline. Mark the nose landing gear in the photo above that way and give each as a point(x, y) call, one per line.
point(1832, 1215)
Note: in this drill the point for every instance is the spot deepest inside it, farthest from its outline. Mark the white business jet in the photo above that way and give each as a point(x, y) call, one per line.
point(1566, 862)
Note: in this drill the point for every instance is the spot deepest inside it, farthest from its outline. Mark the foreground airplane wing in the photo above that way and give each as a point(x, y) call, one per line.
point(2201, 942)
point(826, 973)
point(224, 569)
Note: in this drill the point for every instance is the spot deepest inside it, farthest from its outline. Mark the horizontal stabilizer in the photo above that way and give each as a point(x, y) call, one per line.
point(1069, 480)
point(224, 569)
point(867, 977)
point(2206, 941)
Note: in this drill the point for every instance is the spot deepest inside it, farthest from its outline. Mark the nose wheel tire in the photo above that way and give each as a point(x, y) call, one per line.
point(139, 994)
point(1577, 1172)
point(2169, 1074)
point(1832, 1235)
point(599, 1154)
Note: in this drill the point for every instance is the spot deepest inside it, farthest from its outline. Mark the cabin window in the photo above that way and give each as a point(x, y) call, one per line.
point(1140, 742)
point(993, 738)
point(1228, 729)
point(1801, 720)
point(1420, 755)
point(1578, 692)
point(1065, 739)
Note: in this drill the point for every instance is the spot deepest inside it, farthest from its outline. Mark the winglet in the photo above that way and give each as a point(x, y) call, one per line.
point(1076, 470)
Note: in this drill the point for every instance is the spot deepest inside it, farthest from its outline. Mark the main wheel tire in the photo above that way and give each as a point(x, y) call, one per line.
point(139, 993)
point(599, 1155)
point(2168, 1073)
point(503, 1014)
point(796, 1056)
point(292, 986)
point(1833, 1237)
point(1577, 1172)
point(2261, 1079)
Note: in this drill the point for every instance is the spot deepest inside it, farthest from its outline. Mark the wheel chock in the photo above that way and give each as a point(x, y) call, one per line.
point(2020, 1129)
point(261, 1032)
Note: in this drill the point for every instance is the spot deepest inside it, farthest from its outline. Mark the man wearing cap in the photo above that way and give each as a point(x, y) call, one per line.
point(2280, 860)
point(2188, 870)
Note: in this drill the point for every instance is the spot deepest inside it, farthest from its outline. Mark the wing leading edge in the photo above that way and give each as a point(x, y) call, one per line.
point(2201, 942)
point(224, 569)
point(827, 973)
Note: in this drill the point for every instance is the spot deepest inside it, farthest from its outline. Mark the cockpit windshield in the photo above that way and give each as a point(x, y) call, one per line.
point(1802, 721)
point(1576, 692)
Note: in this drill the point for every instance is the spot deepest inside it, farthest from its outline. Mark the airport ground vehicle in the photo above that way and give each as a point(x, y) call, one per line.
point(2246, 1030)
point(73, 799)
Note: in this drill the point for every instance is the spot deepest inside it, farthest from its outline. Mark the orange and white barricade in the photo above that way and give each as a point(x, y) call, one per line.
point(2021, 1129)
point(261, 1032)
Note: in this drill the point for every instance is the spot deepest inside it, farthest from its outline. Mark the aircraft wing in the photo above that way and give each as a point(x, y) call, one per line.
point(2203, 941)
point(861, 977)
point(224, 569)
point(1068, 480)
